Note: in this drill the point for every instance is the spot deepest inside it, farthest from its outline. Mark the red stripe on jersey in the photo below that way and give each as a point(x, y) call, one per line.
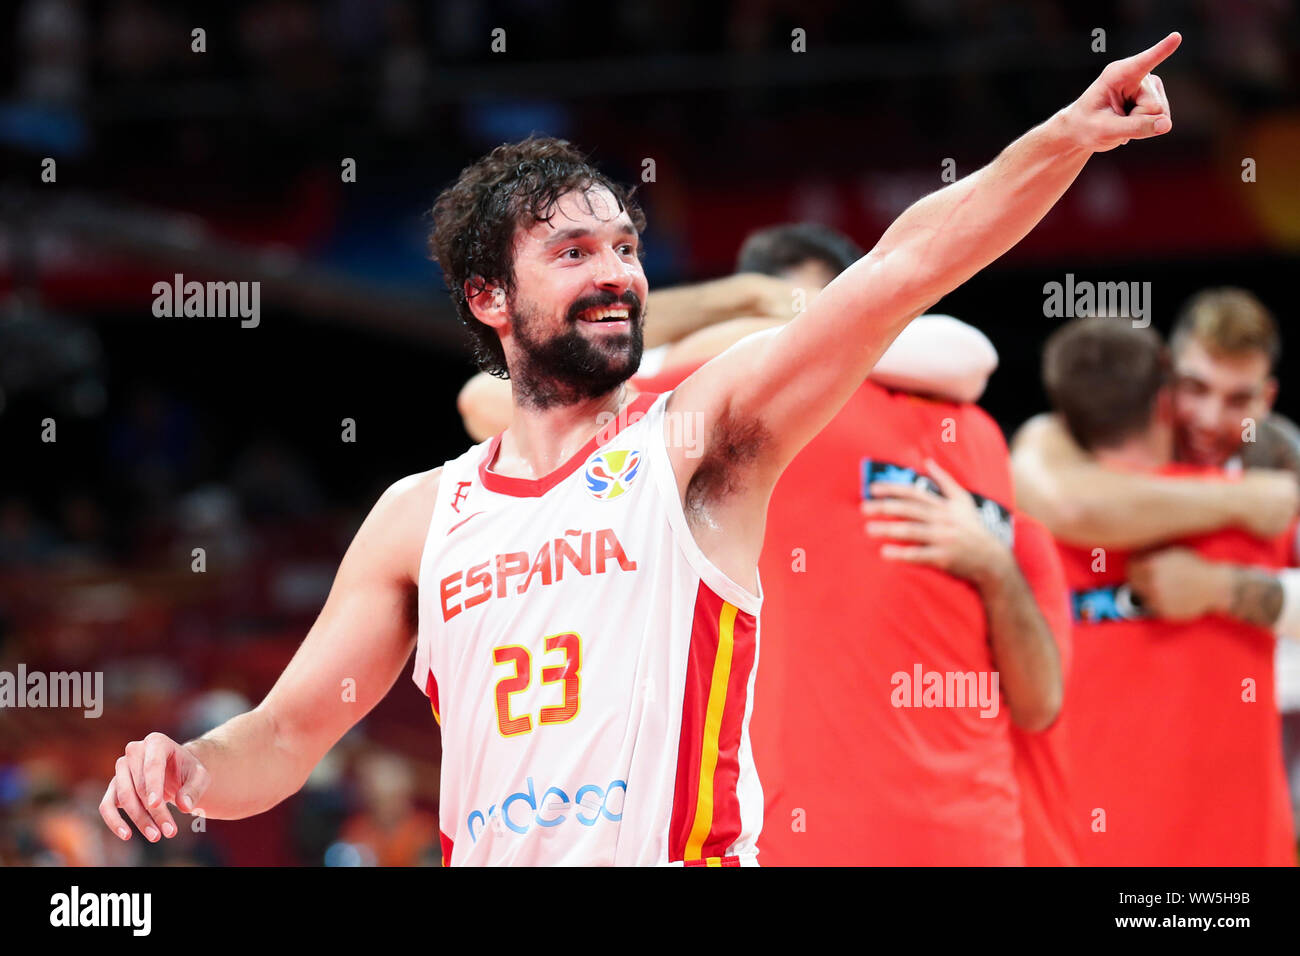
point(694, 703)
point(712, 747)
point(446, 848)
point(726, 801)
point(431, 692)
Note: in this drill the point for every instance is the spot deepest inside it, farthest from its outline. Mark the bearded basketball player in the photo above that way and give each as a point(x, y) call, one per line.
point(581, 590)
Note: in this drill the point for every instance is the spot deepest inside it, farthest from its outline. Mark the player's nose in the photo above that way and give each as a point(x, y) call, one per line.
point(613, 273)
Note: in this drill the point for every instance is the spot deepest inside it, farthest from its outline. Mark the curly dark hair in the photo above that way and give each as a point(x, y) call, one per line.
point(474, 221)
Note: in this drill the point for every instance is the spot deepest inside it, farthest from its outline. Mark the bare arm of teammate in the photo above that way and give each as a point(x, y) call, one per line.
point(945, 532)
point(939, 356)
point(1085, 504)
point(710, 342)
point(935, 355)
point(1178, 584)
point(363, 636)
point(672, 314)
point(486, 406)
point(767, 397)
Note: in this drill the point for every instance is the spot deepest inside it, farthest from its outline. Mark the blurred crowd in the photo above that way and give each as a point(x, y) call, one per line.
point(122, 78)
point(104, 578)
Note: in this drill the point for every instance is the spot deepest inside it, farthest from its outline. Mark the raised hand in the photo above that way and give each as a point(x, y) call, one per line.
point(1127, 101)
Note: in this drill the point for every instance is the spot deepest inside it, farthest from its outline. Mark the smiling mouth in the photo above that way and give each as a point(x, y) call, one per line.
point(611, 313)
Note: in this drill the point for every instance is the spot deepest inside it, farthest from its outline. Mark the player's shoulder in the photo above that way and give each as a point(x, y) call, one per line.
point(413, 494)
point(1035, 429)
point(390, 541)
point(403, 513)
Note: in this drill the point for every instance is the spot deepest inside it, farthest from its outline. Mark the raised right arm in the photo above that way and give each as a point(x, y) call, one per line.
point(359, 643)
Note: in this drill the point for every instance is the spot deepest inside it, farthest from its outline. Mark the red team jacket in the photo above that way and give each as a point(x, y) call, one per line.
point(1174, 738)
point(849, 778)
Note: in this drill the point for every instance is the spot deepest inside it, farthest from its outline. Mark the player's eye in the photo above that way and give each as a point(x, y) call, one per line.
point(573, 252)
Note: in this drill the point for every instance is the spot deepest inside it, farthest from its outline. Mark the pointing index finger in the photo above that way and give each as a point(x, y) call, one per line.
point(1146, 61)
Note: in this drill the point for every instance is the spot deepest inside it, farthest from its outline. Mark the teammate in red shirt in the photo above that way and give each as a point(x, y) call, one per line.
point(1176, 755)
point(1224, 349)
point(1172, 731)
point(856, 774)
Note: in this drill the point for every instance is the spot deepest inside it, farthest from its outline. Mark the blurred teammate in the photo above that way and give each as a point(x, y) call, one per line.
point(1225, 347)
point(1173, 732)
point(583, 599)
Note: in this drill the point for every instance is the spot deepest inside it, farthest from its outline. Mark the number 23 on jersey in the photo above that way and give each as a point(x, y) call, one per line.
point(567, 672)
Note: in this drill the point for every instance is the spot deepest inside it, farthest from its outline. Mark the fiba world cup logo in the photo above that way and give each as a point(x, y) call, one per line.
point(609, 473)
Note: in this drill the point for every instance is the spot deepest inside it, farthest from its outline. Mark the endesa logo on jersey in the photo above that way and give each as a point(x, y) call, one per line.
point(522, 811)
point(609, 474)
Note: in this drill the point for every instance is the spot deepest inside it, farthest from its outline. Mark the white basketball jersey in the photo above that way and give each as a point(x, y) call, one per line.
point(591, 669)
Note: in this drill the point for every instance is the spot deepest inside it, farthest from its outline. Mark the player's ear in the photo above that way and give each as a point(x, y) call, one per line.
point(487, 300)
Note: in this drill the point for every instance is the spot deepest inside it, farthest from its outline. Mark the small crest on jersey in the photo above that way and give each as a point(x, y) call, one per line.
point(461, 494)
point(609, 474)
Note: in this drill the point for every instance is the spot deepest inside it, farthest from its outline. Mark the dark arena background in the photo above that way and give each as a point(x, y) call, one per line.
point(302, 147)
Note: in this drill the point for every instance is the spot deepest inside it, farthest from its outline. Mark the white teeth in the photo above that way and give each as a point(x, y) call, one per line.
point(605, 314)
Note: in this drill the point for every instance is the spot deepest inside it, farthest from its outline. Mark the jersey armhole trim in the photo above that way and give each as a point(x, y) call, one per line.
point(666, 479)
point(422, 667)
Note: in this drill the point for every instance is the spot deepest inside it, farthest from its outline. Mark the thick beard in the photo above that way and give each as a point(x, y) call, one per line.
point(568, 367)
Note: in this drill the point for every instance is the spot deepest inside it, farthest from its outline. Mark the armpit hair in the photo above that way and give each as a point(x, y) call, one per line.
point(734, 446)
